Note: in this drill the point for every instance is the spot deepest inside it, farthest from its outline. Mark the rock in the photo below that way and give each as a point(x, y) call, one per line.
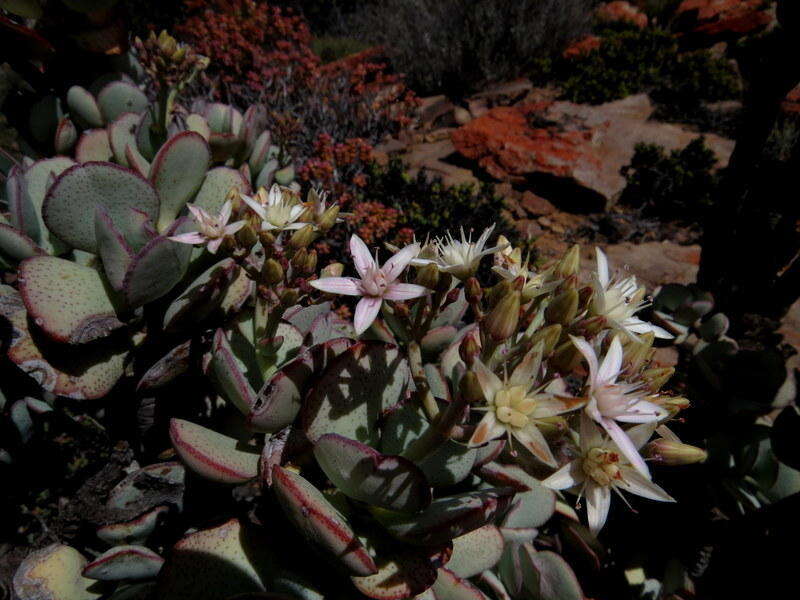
point(653, 263)
point(582, 47)
point(791, 103)
point(430, 157)
point(573, 152)
point(611, 12)
point(536, 205)
point(708, 21)
point(435, 111)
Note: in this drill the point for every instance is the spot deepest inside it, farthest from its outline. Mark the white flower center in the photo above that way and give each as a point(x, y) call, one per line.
point(374, 282)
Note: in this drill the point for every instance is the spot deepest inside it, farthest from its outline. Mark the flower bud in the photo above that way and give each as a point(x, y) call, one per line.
point(638, 351)
point(552, 427)
point(585, 295)
point(272, 272)
point(328, 218)
point(672, 453)
point(674, 404)
point(299, 259)
point(332, 270)
point(469, 348)
point(428, 276)
point(569, 263)
point(247, 236)
point(501, 323)
point(549, 337)
point(472, 291)
point(289, 297)
point(311, 262)
point(565, 357)
point(563, 308)
point(267, 240)
point(470, 388)
point(302, 237)
point(499, 291)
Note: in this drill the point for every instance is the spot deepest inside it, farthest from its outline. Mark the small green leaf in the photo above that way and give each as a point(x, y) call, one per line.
point(214, 456)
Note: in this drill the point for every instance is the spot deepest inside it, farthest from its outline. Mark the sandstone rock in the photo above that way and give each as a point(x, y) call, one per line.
point(619, 10)
point(582, 47)
point(573, 152)
point(653, 263)
point(710, 20)
point(430, 157)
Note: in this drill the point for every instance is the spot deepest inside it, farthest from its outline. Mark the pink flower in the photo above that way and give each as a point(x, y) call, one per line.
point(611, 401)
point(376, 284)
point(213, 230)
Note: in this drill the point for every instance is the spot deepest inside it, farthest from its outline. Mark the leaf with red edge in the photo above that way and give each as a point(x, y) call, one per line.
point(363, 473)
point(93, 145)
point(124, 562)
point(404, 576)
point(476, 551)
point(211, 454)
point(449, 586)
point(319, 521)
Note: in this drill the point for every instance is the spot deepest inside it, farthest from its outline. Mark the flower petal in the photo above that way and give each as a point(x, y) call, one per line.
point(626, 446)
point(530, 437)
point(528, 367)
point(195, 237)
point(393, 267)
point(404, 291)
point(641, 434)
point(602, 268)
point(489, 382)
point(591, 435)
point(642, 411)
point(488, 429)
point(361, 257)
point(634, 483)
point(214, 245)
point(636, 325)
point(612, 363)
point(234, 227)
point(566, 477)
point(589, 354)
point(550, 406)
point(255, 207)
point(347, 286)
point(225, 212)
point(366, 311)
point(598, 501)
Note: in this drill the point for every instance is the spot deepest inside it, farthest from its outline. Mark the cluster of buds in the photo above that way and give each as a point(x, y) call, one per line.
point(170, 64)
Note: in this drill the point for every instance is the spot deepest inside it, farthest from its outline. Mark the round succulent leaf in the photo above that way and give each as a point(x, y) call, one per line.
point(355, 390)
point(437, 382)
point(237, 293)
point(201, 296)
point(118, 98)
point(278, 403)
point(89, 375)
point(124, 562)
point(291, 345)
point(69, 302)
point(115, 253)
point(177, 172)
point(83, 107)
point(438, 339)
point(363, 473)
point(533, 505)
point(225, 146)
point(284, 176)
point(329, 326)
point(28, 9)
point(155, 270)
point(16, 246)
point(21, 213)
point(212, 455)
point(303, 317)
point(37, 180)
point(476, 551)
point(134, 531)
point(452, 313)
point(258, 156)
point(214, 190)
point(65, 136)
point(405, 576)
point(217, 563)
point(121, 134)
point(173, 364)
point(198, 124)
point(449, 586)
point(70, 203)
point(319, 521)
point(266, 175)
point(229, 376)
point(54, 573)
point(146, 142)
point(448, 517)
point(93, 145)
point(548, 576)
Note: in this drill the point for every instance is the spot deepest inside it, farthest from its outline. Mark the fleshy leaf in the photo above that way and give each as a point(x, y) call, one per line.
point(70, 203)
point(553, 578)
point(134, 531)
point(84, 107)
point(216, 564)
point(177, 172)
point(68, 301)
point(449, 586)
point(201, 296)
point(217, 184)
point(155, 270)
point(363, 473)
point(404, 576)
point(15, 245)
point(120, 97)
point(279, 403)
point(65, 136)
point(303, 317)
point(329, 326)
point(54, 573)
point(448, 517)
point(229, 377)
point(37, 180)
point(362, 383)
point(112, 247)
point(211, 454)
point(532, 506)
point(476, 551)
point(93, 145)
point(170, 366)
point(319, 521)
point(121, 134)
point(124, 562)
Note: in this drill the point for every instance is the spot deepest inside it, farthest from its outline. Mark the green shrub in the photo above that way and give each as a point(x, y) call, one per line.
point(678, 185)
point(455, 46)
